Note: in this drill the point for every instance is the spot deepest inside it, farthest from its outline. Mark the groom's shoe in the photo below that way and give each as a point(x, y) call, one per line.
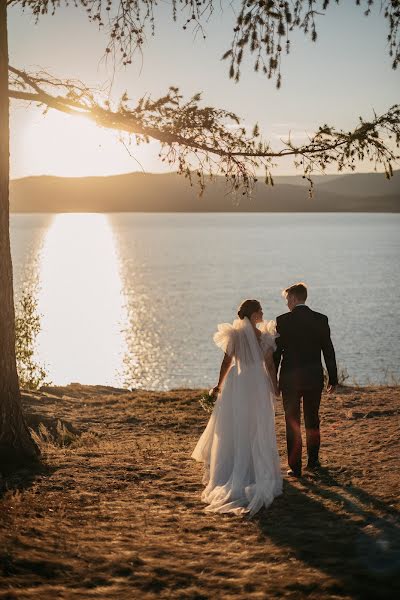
point(313, 465)
point(293, 473)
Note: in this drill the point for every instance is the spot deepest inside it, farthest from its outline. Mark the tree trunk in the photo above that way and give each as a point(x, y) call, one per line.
point(16, 444)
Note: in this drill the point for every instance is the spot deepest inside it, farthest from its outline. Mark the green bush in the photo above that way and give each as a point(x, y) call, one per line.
point(27, 326)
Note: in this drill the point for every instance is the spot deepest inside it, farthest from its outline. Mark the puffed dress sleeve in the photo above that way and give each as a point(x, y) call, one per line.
point(268, 336)
point(224, 338)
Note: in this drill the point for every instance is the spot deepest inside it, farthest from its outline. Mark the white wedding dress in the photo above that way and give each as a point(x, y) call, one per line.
point(238, 446)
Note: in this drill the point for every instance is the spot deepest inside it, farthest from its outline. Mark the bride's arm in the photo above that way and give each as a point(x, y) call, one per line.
point(225, 365)
point(269, 363)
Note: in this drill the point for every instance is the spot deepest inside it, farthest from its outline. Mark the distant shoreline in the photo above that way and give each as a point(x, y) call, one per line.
point(172, 193)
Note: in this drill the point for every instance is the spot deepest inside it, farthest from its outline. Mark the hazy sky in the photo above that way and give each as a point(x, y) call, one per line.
point(345, 74)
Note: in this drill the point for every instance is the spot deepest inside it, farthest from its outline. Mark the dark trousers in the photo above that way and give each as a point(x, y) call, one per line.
point(291, 404)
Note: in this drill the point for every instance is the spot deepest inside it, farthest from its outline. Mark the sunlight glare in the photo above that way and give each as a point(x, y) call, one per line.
point(81, 302)
point(74, 146)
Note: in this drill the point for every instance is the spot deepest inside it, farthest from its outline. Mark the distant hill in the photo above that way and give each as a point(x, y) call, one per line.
point(169, 192)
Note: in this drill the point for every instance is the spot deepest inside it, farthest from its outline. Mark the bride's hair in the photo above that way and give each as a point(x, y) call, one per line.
point(247, 308)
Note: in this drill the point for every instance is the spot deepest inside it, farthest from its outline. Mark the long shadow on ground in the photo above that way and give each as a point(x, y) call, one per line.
point(344, 532)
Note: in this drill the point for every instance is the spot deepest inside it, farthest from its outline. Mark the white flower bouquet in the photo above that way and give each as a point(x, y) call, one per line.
point(207, 400)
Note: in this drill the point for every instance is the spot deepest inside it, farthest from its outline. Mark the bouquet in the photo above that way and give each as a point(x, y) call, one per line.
point(207, 401)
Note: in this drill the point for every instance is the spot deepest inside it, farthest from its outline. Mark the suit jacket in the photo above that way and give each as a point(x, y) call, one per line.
point(303, 334)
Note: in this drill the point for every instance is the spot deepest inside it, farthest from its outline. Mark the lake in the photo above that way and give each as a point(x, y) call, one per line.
point(133, 299)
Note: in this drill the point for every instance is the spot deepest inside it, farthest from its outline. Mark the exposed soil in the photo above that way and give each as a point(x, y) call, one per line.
point(115, 511)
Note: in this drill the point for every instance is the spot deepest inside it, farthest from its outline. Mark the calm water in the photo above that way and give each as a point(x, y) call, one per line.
point(133, 299)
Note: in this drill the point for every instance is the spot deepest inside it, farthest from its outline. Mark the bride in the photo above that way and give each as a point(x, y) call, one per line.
point(238, 446)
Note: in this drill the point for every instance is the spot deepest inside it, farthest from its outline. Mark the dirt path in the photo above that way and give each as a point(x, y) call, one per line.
point(116, 513)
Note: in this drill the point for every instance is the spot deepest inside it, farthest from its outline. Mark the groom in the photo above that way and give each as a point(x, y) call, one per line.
point(303, 334)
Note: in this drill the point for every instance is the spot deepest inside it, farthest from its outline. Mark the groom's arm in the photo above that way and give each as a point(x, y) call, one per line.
point(279, 349)
point(329, 354)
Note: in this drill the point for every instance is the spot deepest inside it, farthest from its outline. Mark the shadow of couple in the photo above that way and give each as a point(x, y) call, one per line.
point(340, 530)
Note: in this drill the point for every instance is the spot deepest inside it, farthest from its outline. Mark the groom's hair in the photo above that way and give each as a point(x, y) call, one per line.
point(299, 290)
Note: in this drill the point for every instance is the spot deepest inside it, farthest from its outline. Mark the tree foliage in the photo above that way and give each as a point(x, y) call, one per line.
point(201, 141)
point(263, 27)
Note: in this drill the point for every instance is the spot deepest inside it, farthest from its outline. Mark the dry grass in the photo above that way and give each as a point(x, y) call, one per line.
point(115, 511)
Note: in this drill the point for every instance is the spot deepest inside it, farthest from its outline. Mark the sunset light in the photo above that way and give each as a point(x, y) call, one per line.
point(73, 146)
point(81, 301)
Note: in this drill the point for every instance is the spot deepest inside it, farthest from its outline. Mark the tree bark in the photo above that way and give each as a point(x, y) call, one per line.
point(16, 444)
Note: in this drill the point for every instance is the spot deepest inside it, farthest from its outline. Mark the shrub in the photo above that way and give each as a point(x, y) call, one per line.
point(31, 374)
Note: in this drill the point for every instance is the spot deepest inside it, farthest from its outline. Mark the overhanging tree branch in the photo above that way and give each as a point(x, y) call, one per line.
point(206, 140)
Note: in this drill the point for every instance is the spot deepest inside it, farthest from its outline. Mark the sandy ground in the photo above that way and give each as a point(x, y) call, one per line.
point(115, 511)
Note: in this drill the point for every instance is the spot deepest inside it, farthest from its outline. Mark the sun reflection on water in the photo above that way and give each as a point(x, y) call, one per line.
point(81, 302)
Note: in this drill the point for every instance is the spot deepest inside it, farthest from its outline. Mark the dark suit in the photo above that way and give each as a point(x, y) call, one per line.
point(303, 334)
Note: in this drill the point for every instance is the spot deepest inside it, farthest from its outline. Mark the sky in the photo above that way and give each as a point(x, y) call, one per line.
point(345, 74)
